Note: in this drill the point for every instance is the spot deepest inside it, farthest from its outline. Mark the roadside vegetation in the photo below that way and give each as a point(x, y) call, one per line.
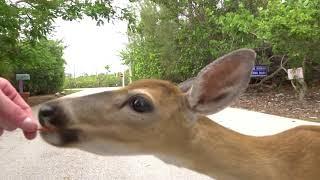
point(169, 40)
point(25, 30)
point(174, 39)
point(92, 81)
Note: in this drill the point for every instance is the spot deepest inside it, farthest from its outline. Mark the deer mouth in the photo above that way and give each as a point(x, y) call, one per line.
point(55, 125)
point(61, 136)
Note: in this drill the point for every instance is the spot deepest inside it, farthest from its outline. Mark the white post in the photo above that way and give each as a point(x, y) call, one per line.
point(130, 73)
point(123, 84)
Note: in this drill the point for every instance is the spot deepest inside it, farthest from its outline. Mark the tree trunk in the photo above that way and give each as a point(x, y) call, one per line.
point(299, 84)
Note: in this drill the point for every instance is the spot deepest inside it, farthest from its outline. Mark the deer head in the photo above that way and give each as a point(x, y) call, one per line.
point(148, 116)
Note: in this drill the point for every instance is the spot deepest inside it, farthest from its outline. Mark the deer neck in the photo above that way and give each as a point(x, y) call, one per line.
point(221, 153)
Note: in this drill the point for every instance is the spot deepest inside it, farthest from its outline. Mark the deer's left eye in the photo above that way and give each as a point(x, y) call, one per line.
point(140, 104)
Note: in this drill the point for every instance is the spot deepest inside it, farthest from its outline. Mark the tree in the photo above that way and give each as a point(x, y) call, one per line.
point(292, 27)
point(30, 19)
point(44, 62)
point(153, 53)
point(175, 39)
point(26, 24)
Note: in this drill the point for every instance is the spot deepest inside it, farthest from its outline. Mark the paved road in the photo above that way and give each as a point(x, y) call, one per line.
point(22, 159)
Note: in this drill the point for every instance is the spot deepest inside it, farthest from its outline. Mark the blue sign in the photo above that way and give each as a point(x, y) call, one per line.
point(259, 71)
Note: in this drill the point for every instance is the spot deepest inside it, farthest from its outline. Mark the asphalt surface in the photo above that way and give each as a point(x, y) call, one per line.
point(23, 159)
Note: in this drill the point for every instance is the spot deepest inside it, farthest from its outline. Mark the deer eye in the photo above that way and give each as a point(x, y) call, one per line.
point(140, 104)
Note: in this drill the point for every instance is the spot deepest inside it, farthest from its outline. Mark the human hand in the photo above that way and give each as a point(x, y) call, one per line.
point(15, 112)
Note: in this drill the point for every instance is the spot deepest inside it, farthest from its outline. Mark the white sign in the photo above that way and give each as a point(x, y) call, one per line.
point(23, 77)
point(296, 73)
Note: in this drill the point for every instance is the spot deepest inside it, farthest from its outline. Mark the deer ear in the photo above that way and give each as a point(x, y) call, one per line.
point(186, 85)
point(220, 82)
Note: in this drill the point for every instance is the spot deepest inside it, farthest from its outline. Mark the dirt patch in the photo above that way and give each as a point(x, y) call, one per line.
point(282, 102)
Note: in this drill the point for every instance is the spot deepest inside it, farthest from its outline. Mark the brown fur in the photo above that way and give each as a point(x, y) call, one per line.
point(176, 131)
point(203, 145)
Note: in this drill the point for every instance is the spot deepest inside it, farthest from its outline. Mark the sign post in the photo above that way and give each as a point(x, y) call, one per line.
point(20, 78)
point(20, 86)
point(122, 76)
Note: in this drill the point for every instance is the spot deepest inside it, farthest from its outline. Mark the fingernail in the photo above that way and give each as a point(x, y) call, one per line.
point(28, 125)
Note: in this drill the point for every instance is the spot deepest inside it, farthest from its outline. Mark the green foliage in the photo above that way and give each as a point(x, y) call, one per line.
point(91, 81)
point(25, 26)
point(175, 39)
point(292, 27)
point(153, 40)
point(43, 61)
point(34, 19)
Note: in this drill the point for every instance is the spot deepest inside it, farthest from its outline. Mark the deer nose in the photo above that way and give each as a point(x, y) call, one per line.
point(52, 115)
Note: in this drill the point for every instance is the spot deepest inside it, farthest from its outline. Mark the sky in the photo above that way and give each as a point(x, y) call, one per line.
point(89, 47)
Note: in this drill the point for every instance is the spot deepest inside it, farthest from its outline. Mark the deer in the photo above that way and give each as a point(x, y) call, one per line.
point(169, 121)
